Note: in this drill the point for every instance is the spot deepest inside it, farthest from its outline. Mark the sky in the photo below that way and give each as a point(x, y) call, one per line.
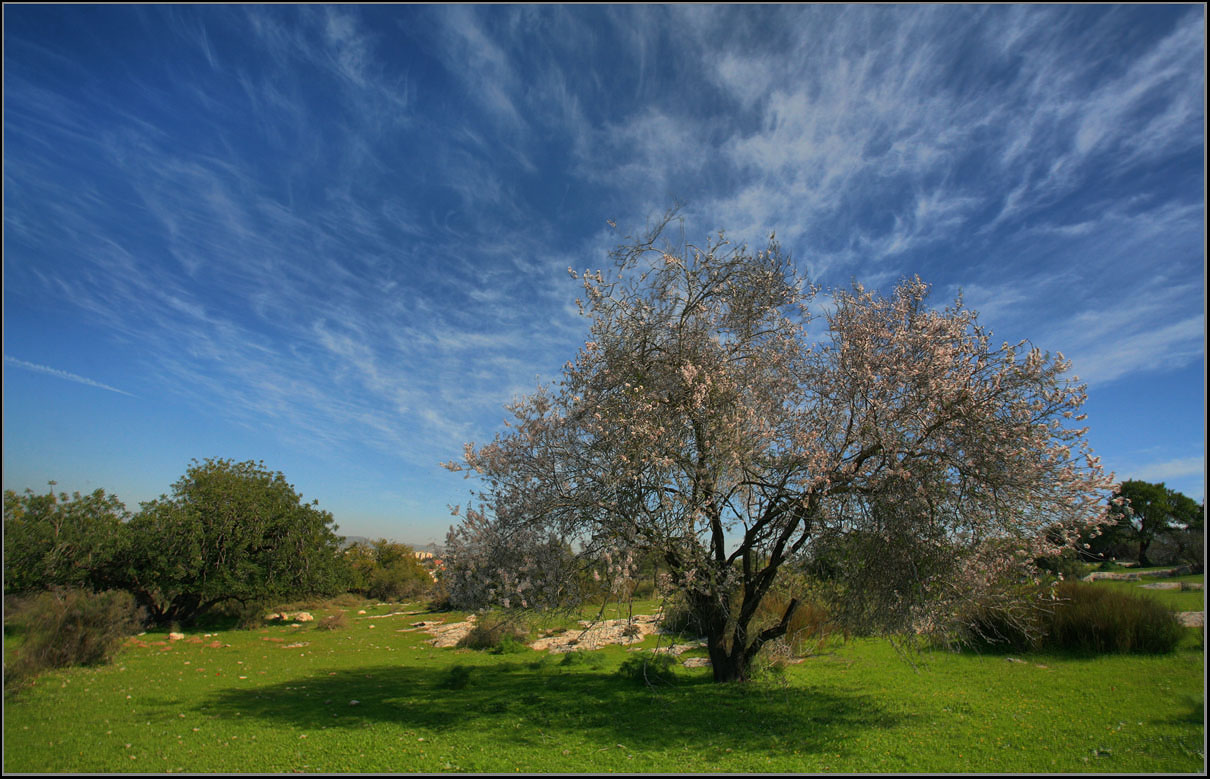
point(335, 239)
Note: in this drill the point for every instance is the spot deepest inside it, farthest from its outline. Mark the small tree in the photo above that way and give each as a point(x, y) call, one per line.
point(59, 541)
point(700, 423)
point(230, 532)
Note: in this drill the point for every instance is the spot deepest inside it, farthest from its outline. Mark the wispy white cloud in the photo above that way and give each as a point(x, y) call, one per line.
point(61, 374)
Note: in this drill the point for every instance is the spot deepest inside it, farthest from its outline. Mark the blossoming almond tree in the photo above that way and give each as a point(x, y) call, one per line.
point(701, 423)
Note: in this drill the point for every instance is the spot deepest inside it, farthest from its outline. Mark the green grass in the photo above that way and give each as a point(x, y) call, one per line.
point(256, 702)
point(1189, 600)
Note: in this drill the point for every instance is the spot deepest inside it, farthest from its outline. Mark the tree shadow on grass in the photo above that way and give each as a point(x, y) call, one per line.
point(598, 705)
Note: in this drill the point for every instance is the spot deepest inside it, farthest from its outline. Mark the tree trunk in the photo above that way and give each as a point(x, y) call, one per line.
point(1143, 561)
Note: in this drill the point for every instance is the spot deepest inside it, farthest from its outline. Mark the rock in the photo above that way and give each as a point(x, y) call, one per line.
point(303, 616)
point(175, 636)
point(1193, 619)
point(696, 662)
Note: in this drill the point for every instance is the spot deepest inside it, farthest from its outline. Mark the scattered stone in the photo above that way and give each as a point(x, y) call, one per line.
point(449, 635)
point(175, 636)
point(696, 662)
point(1192, 619)
point(303, 616)
point(595, 636)
point(1014, 660)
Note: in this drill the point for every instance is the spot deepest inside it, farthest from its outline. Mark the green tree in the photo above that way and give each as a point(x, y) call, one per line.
point(387, 570)
point(230, 532)
point(1143, 511)
point(55, 540)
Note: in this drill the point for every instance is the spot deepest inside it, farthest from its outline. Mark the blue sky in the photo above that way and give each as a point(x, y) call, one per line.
point(336, 238)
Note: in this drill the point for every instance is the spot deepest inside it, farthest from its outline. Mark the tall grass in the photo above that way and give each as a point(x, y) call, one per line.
point(1077, 617)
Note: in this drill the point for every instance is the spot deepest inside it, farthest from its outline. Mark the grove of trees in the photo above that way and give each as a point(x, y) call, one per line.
point(706, 423)
point(231, 534)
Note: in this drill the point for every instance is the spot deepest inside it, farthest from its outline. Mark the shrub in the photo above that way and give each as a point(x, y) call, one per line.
point(495, 630)
point(65, 627)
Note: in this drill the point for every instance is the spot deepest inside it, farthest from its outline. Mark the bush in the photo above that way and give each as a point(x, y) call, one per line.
point(65, 627)
point(496, 631)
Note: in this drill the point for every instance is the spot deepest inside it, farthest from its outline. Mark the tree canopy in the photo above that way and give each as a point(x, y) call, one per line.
point(57, 540)
point(1142, 512)
point(701, 422)
point(230, 531)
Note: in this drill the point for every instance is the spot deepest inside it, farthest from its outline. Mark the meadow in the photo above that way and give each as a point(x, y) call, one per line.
point(374, 696)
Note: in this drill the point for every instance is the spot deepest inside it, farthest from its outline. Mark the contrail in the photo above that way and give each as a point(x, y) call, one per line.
point(63, 375)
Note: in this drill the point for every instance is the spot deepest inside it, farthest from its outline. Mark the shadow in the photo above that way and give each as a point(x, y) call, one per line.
point(552, 699)
point(1194, 711)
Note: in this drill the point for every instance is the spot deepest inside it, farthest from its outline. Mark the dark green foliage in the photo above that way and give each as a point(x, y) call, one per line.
point(54, 540)
point(67, 626)
point(1078, 617)
point(230, 532)
point(649, 669)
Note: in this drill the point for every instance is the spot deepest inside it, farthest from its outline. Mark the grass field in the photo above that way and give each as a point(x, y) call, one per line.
point(1177, 600)
point(375, 697)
